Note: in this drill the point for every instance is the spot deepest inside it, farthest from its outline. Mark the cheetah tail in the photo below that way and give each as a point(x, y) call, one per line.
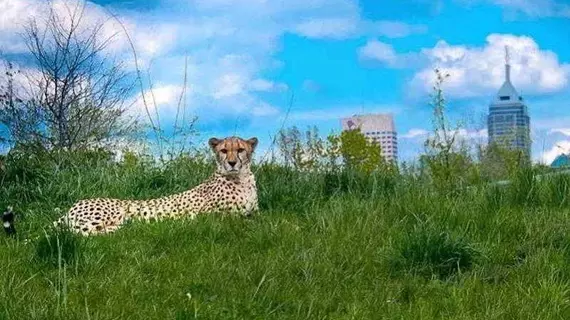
point(8, 221)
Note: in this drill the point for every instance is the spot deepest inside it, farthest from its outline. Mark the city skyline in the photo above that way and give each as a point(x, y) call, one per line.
point(254, 66)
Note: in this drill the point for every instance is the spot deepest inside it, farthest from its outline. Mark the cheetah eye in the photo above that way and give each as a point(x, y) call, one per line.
point(240, 150)
point(224, 151)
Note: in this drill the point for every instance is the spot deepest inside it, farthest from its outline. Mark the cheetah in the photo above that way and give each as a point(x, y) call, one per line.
point(231, 188)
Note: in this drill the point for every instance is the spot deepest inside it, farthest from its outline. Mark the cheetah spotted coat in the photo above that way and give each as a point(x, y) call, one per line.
point(235, 193)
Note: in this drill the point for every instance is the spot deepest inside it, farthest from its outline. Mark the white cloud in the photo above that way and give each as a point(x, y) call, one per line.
point(154, 40)
point(376, 51)
point(472, 134)
point(564, 131)
point(331, 19)
point(149, 39)
point(379, 51)
point(346, 27)
point(551, 122)
point(264, 110)
point(163, 98)
point(338, 112)
point(12, 19)
point(229, 43)
point(559, 147)
point(233, 84)
point(395, 29)
point(228, 85)
point(479, 71)
point(164, 95)
point(266, 85)
point(415, 133)
point(327, 28)
point(317, 115)
point(533, 8)
point(23, 79)
point(469, 134)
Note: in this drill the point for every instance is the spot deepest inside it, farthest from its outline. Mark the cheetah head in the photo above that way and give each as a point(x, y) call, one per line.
point(233, 154)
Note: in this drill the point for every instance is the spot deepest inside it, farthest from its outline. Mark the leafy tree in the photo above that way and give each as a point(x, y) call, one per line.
point(311, 152)
point(359, 153)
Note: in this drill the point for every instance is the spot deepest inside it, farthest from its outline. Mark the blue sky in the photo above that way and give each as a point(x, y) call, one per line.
point(248, 58)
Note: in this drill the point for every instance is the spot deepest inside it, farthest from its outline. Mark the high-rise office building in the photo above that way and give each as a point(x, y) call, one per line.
point(379, 128)
point(508, 122)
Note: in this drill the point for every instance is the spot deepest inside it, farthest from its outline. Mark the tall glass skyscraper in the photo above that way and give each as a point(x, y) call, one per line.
point(508, 122)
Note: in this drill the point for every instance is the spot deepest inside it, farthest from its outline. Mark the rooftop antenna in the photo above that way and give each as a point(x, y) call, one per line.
point(507, 64)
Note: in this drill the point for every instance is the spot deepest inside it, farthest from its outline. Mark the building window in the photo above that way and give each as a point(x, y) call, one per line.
point(504, 98)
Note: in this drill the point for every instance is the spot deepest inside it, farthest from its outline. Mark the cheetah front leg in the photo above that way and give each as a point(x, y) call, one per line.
point(252, 206)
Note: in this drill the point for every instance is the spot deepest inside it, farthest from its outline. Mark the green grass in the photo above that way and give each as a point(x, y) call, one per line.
point(324, 246)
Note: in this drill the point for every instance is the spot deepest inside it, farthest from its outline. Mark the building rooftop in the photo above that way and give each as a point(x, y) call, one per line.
point(507, 93)
point(367, 122)
point(562, 160)
point(507, 90)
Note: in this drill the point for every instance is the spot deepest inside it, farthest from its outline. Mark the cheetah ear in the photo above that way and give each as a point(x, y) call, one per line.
point(253, 143)
point(213, 142)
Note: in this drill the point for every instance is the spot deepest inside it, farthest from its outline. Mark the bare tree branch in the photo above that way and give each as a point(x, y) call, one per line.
point(78, 96)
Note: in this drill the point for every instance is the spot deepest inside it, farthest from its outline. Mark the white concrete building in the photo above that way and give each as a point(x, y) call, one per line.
point(379, 128)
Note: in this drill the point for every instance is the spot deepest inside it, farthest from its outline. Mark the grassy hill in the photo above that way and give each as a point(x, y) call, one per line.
point(337, 245)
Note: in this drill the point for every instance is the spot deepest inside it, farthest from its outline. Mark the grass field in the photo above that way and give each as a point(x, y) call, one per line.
point(324, 246)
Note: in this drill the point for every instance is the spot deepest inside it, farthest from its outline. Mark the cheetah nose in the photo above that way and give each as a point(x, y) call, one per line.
point(232, 163)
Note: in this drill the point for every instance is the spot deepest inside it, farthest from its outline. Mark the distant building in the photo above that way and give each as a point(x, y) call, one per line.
point(562, 161)
point(508, 121)
point(378, 128)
